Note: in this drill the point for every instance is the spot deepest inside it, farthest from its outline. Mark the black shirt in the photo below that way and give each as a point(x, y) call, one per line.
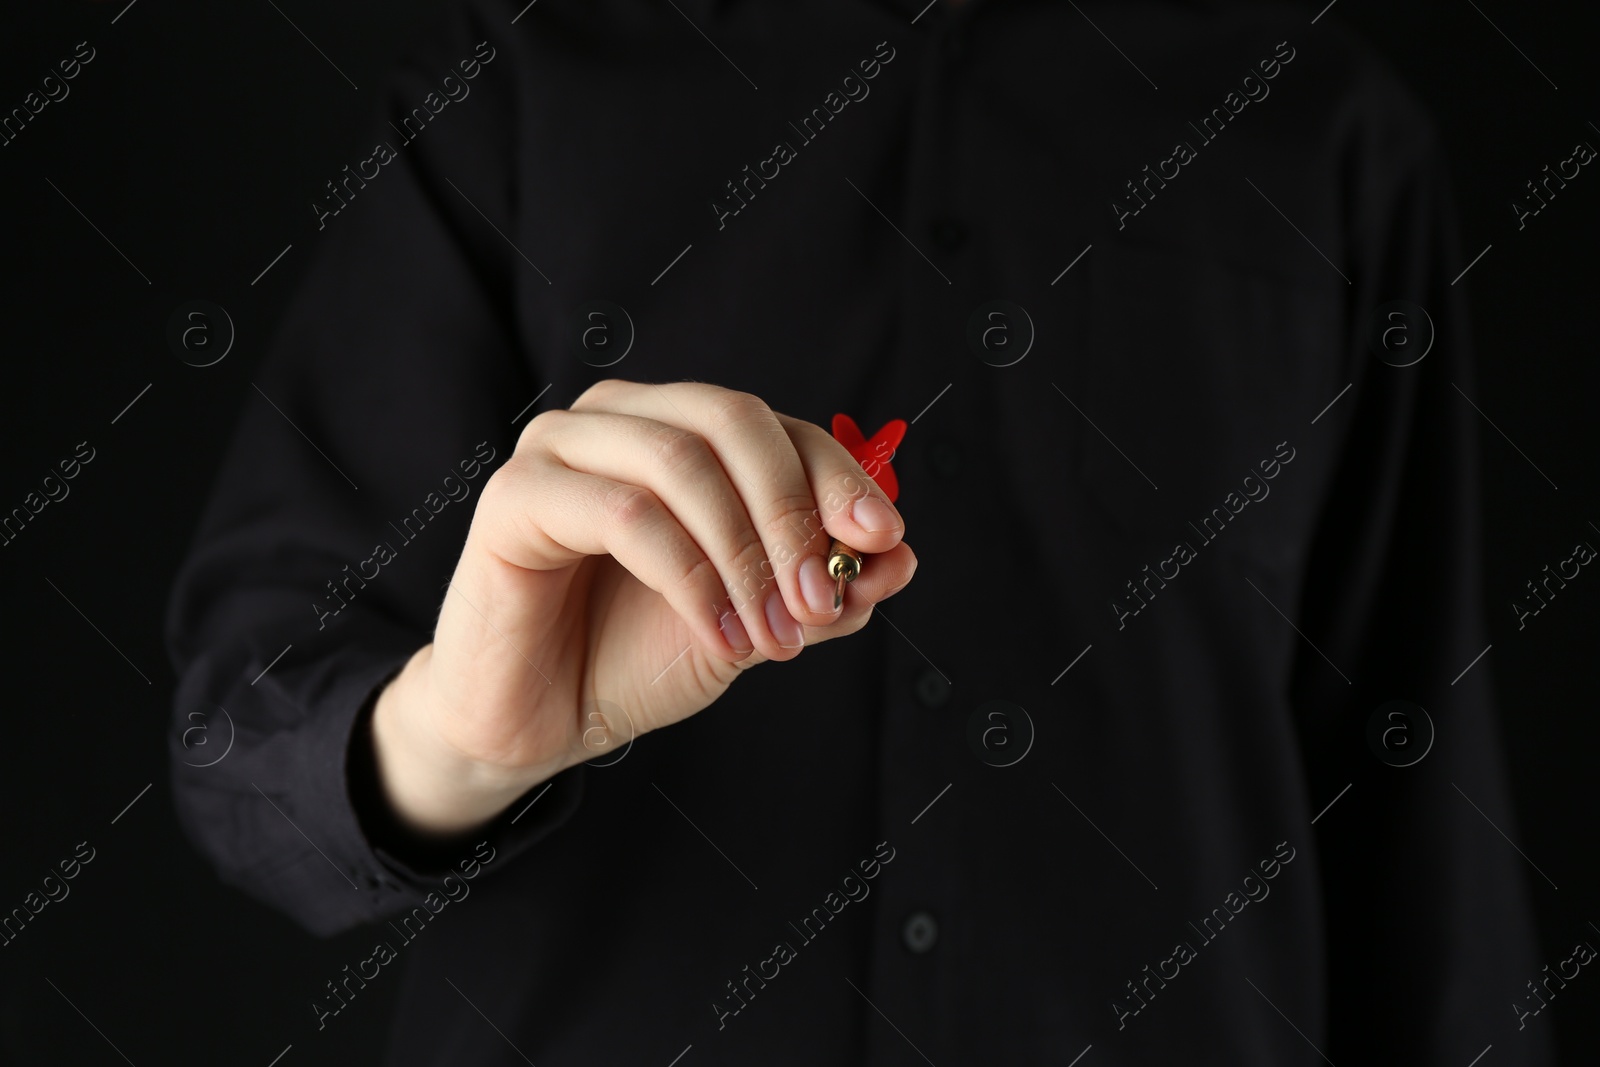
point(1101, 776)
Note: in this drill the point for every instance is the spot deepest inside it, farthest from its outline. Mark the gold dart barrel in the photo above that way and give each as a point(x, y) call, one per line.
point(844, 565)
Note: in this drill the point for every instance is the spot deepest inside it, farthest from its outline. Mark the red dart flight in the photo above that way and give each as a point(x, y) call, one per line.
point(874, 454)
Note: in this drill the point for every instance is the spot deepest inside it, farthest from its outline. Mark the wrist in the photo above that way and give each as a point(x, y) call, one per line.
point(431, 787)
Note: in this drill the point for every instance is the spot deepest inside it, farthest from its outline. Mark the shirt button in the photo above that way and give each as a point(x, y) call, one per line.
point(931, 688)
point(920, 932)
point(947, 233)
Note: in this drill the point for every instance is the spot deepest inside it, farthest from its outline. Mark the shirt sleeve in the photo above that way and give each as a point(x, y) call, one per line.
point(1429, 932)
point(342, 503)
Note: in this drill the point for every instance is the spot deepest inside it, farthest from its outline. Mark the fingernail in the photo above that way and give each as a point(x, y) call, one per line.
point(733, 632)
point(874, 515)
point(784, 629)
point(817, 586)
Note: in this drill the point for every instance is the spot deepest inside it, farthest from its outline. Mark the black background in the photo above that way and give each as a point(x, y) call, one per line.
point(196, 140)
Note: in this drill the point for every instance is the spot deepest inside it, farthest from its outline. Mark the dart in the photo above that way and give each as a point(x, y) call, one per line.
point(844, 562)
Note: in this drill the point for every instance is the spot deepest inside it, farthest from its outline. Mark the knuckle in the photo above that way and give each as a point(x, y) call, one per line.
point(673, 450)
point(523, 527)
point(817, 437)
point(750, 572)
point(595, 396)
point(501, 485)
point(733, 408)
point(750, 558)
point(814, 434)
point(541, 425)
point(844, 490)
point(795, 519)
point(697, 574)
point(630, 506)
point(505, 504)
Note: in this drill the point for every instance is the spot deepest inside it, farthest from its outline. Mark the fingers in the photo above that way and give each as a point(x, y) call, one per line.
point(544, 516)
point(853, 508)
point(799, 487)
point(882, 577)
point(681, 470)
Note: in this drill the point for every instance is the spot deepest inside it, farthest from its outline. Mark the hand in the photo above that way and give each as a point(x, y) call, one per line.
point(642, 549)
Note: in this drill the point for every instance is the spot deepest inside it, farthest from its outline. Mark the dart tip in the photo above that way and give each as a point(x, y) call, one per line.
point(838, 592)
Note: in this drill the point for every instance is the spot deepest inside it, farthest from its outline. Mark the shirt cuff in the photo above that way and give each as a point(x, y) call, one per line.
point(337, 776)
